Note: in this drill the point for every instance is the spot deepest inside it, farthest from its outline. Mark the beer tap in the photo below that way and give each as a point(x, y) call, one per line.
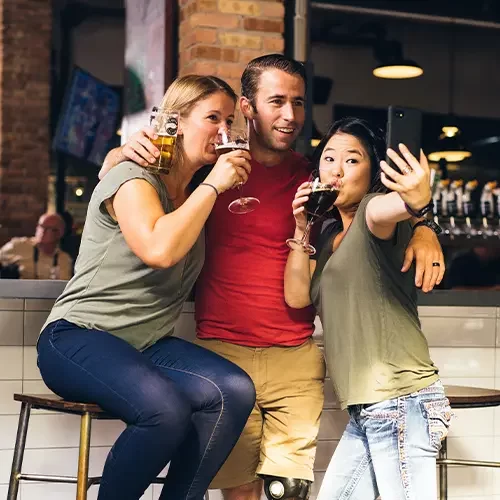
point(487, 206)
point(444, 189)
point(436, 201)
point(458, 187)
point(496, 193)
point(468, 206)
point(454, 204)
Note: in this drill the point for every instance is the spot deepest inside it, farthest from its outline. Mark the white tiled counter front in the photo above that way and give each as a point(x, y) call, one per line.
point(464, 341)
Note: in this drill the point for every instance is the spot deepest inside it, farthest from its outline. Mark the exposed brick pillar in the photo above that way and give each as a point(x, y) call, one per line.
point(219, 37)
point(25, 41)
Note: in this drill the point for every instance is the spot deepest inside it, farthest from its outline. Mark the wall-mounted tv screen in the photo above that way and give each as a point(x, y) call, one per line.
point(88, 119)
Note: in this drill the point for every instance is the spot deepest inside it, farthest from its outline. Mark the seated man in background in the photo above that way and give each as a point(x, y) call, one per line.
point(39, 257)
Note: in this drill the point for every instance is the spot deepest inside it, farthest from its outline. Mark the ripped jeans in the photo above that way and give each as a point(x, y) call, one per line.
point(390, 449)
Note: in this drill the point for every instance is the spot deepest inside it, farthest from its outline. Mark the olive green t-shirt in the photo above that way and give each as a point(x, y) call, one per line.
point(374, 347)
point(112, 289)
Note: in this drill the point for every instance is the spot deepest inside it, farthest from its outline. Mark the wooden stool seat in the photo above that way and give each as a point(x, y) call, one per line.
point(55, 403)
point(471, 397)
point(464, 397)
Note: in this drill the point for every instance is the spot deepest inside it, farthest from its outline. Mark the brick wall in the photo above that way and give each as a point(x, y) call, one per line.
point(219, 37)
point(25, 35)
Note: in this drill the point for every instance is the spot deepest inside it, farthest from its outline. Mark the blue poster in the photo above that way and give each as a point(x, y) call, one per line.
point(88, 120)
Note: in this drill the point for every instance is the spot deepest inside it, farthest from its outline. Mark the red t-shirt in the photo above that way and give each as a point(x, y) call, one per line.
point(240, 294)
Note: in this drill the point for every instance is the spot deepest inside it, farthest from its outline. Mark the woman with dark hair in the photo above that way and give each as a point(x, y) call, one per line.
point(376, 353)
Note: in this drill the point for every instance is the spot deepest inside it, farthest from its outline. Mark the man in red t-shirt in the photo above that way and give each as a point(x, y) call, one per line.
point(240, 309)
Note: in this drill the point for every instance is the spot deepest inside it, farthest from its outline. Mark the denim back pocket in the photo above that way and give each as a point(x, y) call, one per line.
point(439, 415)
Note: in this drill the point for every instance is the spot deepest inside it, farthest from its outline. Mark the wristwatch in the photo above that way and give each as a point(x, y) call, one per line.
point(430, 224)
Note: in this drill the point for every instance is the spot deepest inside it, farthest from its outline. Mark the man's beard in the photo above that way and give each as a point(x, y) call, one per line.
point(269, 144)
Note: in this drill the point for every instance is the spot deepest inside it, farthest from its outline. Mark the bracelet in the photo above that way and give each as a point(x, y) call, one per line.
point(211, 185)
point(430, 224)
point(422, 211)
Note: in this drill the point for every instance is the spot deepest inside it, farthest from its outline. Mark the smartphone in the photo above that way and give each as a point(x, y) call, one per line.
point(404, 125)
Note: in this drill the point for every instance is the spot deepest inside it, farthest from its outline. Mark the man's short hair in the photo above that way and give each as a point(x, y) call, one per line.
point(251, 75)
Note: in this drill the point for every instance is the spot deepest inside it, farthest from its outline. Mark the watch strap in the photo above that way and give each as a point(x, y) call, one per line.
point(430, 224)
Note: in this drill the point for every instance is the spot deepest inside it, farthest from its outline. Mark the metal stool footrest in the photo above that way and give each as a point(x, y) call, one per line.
point(69, 479)
point(471, 463)
point(44, 478)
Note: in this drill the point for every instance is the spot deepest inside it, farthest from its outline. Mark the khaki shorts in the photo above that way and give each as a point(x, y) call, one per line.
point(280, 436)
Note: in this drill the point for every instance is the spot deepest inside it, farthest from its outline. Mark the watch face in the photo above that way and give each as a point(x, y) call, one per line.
point(437, 229)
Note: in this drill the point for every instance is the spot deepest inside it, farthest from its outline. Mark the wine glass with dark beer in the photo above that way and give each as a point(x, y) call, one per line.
point(321, 199)
point(232, 140)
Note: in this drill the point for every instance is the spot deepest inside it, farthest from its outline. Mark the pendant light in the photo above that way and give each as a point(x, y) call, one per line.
point(392, 64)
point(450, 148)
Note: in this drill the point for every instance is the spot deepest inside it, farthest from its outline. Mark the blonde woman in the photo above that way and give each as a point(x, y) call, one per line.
point(108, 338)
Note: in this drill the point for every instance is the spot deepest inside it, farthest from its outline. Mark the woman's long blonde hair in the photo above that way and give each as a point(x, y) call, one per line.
point(184, 93)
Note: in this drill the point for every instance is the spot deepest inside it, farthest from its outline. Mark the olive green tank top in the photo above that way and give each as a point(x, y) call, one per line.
point(374, 347)
point(112, 289)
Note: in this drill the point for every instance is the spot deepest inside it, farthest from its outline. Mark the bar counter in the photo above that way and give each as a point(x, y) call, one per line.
point(462, 328)
point(51, 289)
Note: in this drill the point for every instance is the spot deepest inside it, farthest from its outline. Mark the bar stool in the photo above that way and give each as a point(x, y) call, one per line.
point(51, 402)
point(464, 397)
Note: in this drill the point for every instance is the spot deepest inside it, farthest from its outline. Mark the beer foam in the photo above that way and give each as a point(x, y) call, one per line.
point(234, 145)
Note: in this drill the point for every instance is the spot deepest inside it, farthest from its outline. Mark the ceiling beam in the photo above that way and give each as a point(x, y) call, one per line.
point(427, 18)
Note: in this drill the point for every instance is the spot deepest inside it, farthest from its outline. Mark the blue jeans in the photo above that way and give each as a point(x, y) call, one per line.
point(182, 404)
point(390, 449)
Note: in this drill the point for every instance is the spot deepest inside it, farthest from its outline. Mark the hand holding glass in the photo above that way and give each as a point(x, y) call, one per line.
point(232, 140)
point(321, 199)
point(165, 122)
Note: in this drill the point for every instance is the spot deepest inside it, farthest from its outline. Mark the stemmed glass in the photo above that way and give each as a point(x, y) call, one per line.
point(321, 199)
point(232, 140)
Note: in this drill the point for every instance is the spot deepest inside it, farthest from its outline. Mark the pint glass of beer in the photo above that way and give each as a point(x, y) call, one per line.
point(165, 123)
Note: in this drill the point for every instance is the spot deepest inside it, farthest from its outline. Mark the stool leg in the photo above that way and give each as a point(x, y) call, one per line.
point(83, 457)
point(443, 472)
point(17, 461)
